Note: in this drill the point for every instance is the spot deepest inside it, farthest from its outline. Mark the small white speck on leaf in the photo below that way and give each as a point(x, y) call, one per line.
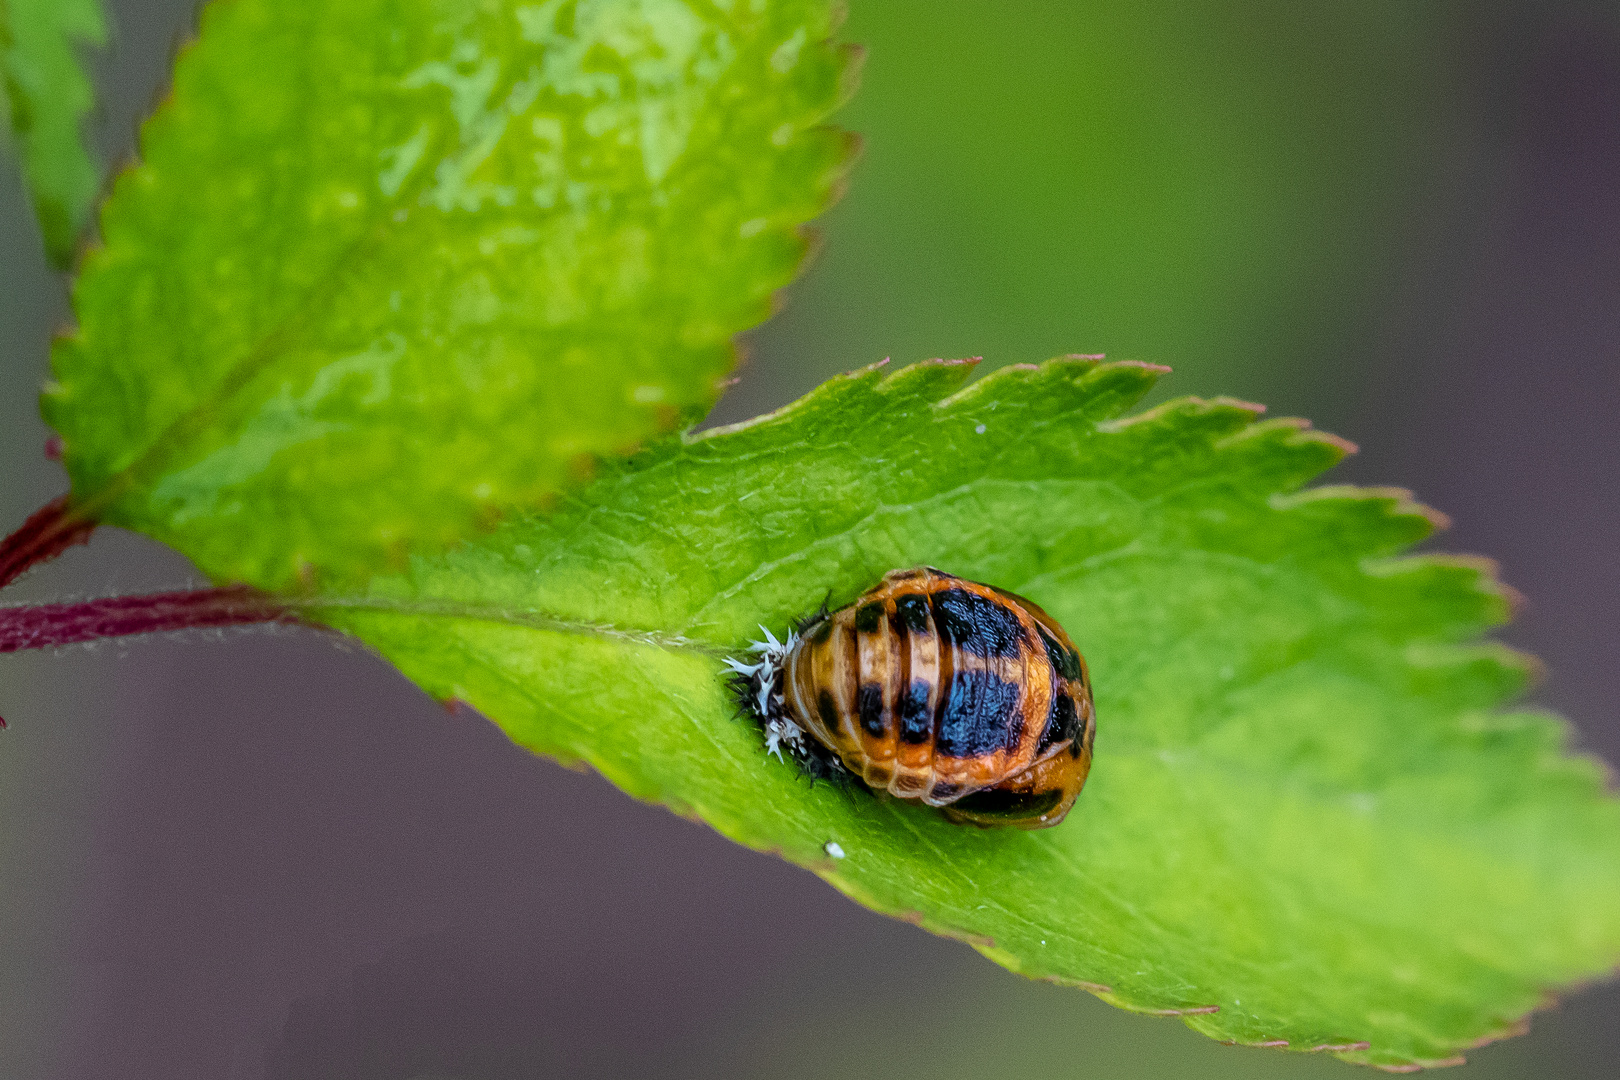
point(979, 429)
point(831, 847)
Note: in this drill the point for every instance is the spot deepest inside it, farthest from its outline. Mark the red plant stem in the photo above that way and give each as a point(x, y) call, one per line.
point(51, 530)
point(41, 626)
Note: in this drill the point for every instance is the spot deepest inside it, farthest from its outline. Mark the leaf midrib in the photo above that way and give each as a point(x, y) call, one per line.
point(528, 619)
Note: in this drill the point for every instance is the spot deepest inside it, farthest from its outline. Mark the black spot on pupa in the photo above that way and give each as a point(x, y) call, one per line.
point(868, 617)
point(942, 792)
point(869, 703)
point(976, 624)
point(1066, 662)
point(829, 712)
point(1012, 805)
point(916, 719)
point(1062, 723)
point(897, 627)
point(1076, 747)
point(911, 611)
point(979, 715)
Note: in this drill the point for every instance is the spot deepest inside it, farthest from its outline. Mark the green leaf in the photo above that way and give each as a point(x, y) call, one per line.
point(1310, 818)
point(44, 94)
point(391, 266)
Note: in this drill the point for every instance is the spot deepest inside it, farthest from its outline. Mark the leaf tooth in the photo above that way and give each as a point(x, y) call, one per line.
point(1194, 418)
point(836, 394)
point(929, 380)
point(1059, 376)
point(1117, 998)
point(1272, 435)
point(846, 150)
point(993, 385)
point(1387, 519)
point(1340, 1047)
point(1282, 453)
point(1427, 1063)
point(1398, 501)
point(851, 57)
point(1513, 1030)
point(1242, 403)
point(1491, 671)
point(1114, 386)
point(1470, 579)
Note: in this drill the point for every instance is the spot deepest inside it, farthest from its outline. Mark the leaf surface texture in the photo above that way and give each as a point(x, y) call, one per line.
point(389, 267)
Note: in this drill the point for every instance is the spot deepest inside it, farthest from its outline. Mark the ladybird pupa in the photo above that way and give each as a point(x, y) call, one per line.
point(931, 687)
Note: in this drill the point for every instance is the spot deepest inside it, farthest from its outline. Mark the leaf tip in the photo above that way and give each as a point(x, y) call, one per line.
point(933, 380)
point(1238, 403)
point(1402, 504)
point(1344, 445)
point(1489, 573)
point(1521, 1026)
point(1141, 365)
point(1412, 1067)
point(1406, 503)
point(852, 67)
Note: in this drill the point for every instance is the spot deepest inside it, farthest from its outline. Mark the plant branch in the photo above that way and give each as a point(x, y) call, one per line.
point(51, 530)
point(41, 626)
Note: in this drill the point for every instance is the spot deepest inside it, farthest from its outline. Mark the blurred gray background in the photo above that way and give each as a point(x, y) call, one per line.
point(264, 856)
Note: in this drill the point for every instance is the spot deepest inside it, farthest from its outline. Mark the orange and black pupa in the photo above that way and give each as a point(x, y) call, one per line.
point(931, 687)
